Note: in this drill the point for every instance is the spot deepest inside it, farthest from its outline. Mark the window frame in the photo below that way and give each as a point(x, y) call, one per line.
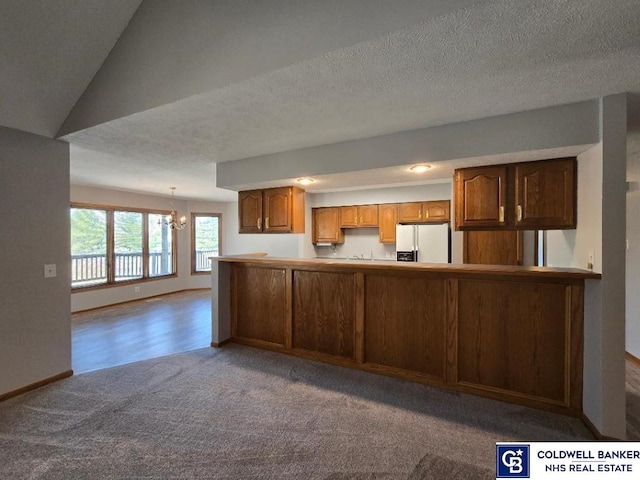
point(194, 215)
point(111, 282)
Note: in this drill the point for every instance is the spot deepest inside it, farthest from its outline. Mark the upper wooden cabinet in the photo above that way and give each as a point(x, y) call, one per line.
point(387, 221)
point(437, 211)
point(359, 216)
point(326, 225)
point(545, 194)
point(250, 211)
point(481, 196)
point(273, 210)
point(532, 195)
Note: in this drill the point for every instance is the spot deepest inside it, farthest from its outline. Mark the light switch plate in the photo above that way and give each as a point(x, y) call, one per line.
point(50, 271)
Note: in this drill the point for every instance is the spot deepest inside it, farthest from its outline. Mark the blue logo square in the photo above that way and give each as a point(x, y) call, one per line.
point(512, 460)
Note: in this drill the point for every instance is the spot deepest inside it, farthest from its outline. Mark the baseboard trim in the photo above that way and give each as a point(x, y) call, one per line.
point(594, 431)
point(632, 358)
point(33, 386)
point(222, 343)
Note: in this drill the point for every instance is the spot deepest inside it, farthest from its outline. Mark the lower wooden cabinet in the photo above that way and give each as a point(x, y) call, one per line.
point(324, 313)
point(405, 323)
point(259, 305)
point(508, 335)
point(512, 337)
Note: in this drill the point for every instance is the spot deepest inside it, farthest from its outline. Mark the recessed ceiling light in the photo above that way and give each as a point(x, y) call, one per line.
point(420, 168)
point(305, 180)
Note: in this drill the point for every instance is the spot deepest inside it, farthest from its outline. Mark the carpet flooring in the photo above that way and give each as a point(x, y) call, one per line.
point(244, 413)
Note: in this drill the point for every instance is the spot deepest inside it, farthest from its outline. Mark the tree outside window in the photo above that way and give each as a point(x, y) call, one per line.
point(116, 245)
point(205, 240)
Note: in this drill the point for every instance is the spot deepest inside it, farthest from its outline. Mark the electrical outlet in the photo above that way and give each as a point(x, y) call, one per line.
point(50, 271)
point(136, 289)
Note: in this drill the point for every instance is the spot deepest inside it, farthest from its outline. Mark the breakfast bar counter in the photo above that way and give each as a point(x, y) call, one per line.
point(507, 332)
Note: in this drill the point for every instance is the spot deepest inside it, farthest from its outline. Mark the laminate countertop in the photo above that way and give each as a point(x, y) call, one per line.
point(450, 268)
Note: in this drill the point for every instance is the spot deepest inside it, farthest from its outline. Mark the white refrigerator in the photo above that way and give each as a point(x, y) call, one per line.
point(423, 243)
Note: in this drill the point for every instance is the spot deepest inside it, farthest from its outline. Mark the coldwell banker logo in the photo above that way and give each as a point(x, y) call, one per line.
point(512, 460)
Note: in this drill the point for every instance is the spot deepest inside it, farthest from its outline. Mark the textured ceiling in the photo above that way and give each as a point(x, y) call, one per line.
point(49, 52)
point(489, 59)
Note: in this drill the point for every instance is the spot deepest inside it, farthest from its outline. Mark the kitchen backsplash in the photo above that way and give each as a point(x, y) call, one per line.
point(357, 242)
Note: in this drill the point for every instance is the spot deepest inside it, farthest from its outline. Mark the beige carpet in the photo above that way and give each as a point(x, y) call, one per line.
point(243, 413)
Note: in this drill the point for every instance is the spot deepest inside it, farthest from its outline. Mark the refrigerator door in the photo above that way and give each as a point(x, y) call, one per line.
point(433, 243)
point(405, 238)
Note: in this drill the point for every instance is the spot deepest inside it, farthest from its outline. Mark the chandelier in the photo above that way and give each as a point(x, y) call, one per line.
point(171, 220)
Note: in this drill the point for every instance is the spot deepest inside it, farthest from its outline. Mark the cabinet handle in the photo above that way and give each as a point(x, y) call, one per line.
point(501, 219)
point(266, 223)
point(259, 224)
point(519, 213)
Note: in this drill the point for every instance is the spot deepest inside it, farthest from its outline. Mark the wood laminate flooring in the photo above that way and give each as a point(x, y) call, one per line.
point(633, 400)
point(140, 330)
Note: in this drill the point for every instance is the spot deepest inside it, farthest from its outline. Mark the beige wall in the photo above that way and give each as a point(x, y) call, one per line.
point(185, 280)
point(35, 331)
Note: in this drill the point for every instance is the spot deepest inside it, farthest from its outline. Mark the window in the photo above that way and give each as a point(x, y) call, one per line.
point(88, 247)
point(116, 245)
point(205, 240)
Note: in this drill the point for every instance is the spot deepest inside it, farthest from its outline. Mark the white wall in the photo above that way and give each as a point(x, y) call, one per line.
point(35, 328)
point(571, 248)
point(547, 128)
point(185, 280)
point(364, 241)
point(633, 254)
point(274, 244)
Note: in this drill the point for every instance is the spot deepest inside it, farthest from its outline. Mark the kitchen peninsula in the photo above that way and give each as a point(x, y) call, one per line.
point(507, 332)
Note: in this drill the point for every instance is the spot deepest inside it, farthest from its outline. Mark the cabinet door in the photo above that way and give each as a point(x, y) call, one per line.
point(493, 247)
point(410, 212)
point(368, 215)
point(348, 216)
point(436, 211)
point(387, 221)
point(545, 194)
point(277, 210)
point(250, 211)
point(480, 197)
point(326, 225)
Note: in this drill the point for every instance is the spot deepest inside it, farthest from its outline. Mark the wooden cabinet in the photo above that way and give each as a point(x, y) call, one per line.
point(481, 196)
point(324, 313)
point(387, 221)
point(259, 304)
point(250, 211)
point(493, 247)
point(509, 333)
point(359, 216)
point(436, 211)
point(532, 195)
point(405, 323)
point(273, 210)
point(545, 194)
point(326, 225)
